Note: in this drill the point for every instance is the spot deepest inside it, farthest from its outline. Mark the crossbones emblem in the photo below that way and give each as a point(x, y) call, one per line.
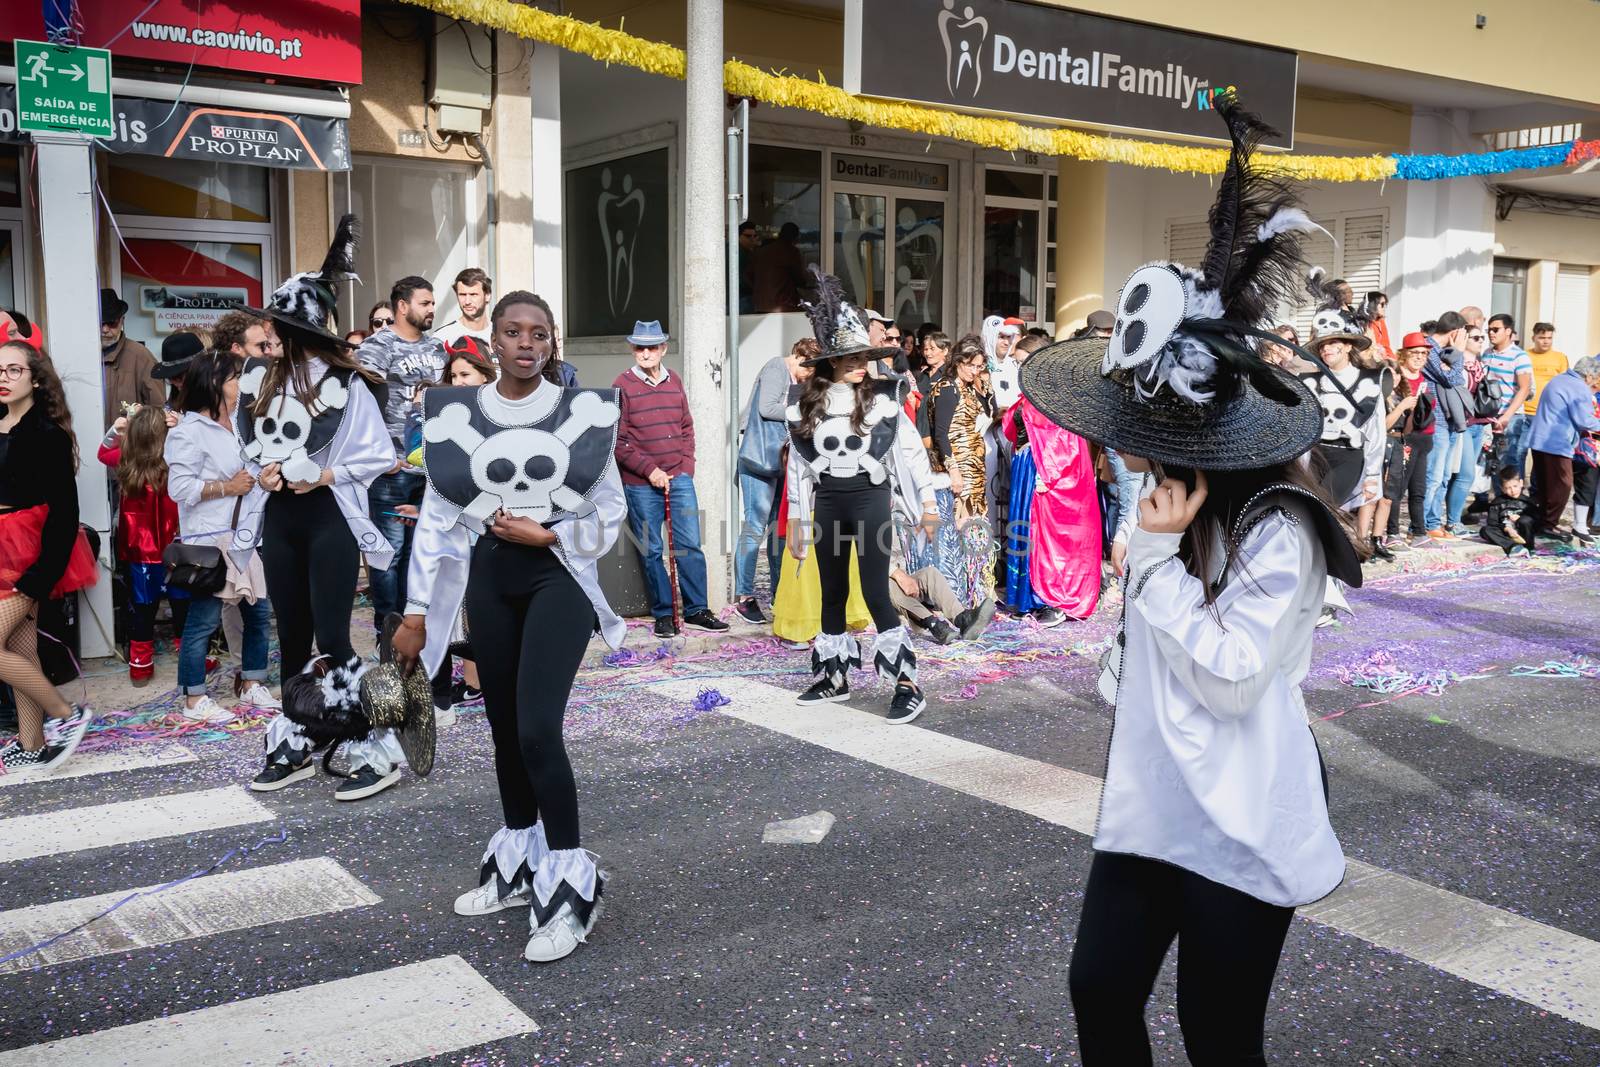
point(522, 470)
point(282, 432)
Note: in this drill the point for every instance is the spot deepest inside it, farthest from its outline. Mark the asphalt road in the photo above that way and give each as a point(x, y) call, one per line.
point(935, 923)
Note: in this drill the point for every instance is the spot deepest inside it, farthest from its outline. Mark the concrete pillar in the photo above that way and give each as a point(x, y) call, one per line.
point(545, 188)
point(65, 188)
point(1447, 250)
point(1080, 242)
point(702, 334)
point(1541, 302)
point(513, 164)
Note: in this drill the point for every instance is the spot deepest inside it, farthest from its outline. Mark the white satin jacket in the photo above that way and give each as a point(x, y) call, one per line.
point(441, 547)
point(1212, 765)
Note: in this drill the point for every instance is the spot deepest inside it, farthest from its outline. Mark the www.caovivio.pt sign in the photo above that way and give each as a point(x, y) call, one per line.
point(1023, 59)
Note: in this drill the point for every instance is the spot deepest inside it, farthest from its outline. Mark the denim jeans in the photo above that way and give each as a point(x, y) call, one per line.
point(1461, 482)
point(756, 494)
point(1443, 460)
point(204, 614)
point(388, 587)
point(647, 510)
point(1514, 451)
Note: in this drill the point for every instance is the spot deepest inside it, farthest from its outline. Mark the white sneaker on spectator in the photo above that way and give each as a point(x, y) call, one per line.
point(207, 710)
point(257, 695)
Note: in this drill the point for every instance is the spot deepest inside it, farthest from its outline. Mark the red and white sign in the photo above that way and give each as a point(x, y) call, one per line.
point(317, 40)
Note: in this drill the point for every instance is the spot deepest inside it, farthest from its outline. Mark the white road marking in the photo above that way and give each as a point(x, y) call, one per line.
point(1540, 964)
point(77, 829)
point(395, 1016)
point(215, 904)
point(124, 759)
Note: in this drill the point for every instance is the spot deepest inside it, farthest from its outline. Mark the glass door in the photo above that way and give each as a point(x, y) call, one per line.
point(900, 272)
point(180, 277)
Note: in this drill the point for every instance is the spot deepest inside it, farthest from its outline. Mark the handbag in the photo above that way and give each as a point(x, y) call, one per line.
point(1485, 404)
point(198, 569)
point(762, 438)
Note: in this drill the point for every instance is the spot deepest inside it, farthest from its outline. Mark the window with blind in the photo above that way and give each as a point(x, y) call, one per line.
point(1355, 248)
point(1572, 311)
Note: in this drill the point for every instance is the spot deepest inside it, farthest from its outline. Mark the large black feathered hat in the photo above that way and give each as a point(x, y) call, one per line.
point(840, 326)
point(1180, 380)
point(304, 306)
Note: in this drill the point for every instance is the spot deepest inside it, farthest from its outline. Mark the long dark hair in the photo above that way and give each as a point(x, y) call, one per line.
point(48, 395)
point(293, 370)
point(522, 296)
point(1227, 495)
point(203, 382)
point(968, 346)
point(814, 400)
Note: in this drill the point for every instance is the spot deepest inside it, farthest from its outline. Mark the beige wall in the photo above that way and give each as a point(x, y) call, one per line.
point(393, 96)
point(1563, 238)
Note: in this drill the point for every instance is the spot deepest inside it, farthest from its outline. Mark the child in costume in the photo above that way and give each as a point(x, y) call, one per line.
point(1214, 821)
point(852, 447)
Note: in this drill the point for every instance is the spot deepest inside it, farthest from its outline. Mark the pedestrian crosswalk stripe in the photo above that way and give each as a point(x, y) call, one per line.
point(1540, 964)
point(215, 904)
point(126, 759)
point(433, 1008)
point(76, 829)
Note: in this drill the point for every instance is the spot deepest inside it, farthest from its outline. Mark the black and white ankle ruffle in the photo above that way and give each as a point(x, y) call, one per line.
point(832, 656)
point(511, 857)
point(566, 876)
point(893, 657)
point(285, 740)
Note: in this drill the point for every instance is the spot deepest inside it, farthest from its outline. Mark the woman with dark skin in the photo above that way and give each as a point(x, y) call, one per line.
point(533, 600)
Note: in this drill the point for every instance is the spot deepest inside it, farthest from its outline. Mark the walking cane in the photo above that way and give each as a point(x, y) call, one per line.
point(672, 565)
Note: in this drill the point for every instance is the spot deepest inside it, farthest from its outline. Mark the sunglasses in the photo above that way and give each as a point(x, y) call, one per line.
point(1496, 329)
point(1476, 337)
point(381, 322)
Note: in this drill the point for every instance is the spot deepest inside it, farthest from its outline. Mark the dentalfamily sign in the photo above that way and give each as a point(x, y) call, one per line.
point(1015, 58)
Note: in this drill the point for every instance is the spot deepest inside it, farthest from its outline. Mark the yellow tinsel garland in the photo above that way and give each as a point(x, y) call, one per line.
point(741, 79)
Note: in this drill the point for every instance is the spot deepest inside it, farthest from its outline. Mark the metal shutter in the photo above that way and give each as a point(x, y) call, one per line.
point(1572, 312)
point(1186, 242)
point(1320, 251)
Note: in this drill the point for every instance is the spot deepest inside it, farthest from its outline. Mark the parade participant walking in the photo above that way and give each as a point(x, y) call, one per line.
point(532, 593)
point(314, 436)
point(1352, 437)
point(851, 448)
point(1227, 568)
point(208, 481)
point(43, 554)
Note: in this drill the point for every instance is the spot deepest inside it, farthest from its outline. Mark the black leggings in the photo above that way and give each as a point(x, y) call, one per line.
point(530, 623)
point(142, 619)
point(859, 513)
point(311, 563)
point(1407, 479)
point(1228, 948)
point(1344, 472)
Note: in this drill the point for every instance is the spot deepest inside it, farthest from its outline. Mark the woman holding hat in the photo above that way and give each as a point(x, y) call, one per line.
point(854, 456)
point(1214, 823)
point(1352, 437)
point(531, 587)
point(314, 437)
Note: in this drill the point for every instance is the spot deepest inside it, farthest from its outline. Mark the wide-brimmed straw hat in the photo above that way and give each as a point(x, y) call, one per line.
point(841, 327)
point(1180, 380)
point(303, 307)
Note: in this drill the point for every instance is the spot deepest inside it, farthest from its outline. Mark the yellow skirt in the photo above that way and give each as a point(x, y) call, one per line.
point(797, 611)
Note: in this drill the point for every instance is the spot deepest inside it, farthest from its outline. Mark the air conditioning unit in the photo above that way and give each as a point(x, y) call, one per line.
point(459, 81)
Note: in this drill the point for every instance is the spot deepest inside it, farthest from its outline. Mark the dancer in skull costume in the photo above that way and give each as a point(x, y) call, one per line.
point(854, 459)
point(313, 436)
point(529, 466)
point(1214, 822)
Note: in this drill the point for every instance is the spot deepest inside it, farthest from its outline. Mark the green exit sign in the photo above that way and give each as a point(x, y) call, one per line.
point(63, 88)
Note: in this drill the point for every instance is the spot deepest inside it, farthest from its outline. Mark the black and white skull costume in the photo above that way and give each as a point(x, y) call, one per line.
point(848, 481)
point(1352, 398)
point(549, 457)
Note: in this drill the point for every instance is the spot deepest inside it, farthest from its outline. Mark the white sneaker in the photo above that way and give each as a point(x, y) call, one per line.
point(443, 717)
point(561, 936)
point(486, 900)
point(257, 695)
point(207, 710)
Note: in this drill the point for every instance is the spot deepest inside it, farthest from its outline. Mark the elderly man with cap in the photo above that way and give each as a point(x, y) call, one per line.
point(127, 364)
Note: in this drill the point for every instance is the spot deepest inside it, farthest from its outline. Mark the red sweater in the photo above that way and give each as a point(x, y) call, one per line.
point(655, 431)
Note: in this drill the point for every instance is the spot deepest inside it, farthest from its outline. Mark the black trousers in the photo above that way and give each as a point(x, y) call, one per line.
point(142, 618)
point(1585, 479)
point(1344, 471)
point(1407, 479)
point(1527, 523)
point(530, 623)
point(854, 510)
point(1228, 948)
point(311, 561)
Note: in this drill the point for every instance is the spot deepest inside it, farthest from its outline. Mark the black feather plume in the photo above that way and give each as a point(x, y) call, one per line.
point(824, 312)
point(340, 263)
point(1253, 259)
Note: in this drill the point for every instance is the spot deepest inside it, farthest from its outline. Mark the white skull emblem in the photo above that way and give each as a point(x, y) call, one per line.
point(842, 452)
point(1149, 308)
point(522, 470)
point(281, 434)
point(1329, 320)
